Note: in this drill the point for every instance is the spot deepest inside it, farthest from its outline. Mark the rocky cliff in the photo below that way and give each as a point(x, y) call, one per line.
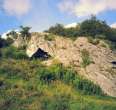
point(69, 52)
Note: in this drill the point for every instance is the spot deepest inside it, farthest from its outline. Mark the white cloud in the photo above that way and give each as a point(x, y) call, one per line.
point(82, 8)
point(72, 25)
point(113, 25)
point(17, 7)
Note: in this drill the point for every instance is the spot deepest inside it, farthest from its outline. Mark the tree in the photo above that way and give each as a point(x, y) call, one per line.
point(93, 27)
point(58, 29)
point(25, 31)
point(113, 35)
point(5, 43)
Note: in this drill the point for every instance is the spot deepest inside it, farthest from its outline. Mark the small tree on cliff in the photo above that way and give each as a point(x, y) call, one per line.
point(25, 31)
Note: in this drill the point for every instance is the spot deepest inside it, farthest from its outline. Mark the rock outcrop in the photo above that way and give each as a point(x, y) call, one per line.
point(68, 52)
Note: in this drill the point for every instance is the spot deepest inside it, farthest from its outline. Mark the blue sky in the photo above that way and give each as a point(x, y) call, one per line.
point(40, 14)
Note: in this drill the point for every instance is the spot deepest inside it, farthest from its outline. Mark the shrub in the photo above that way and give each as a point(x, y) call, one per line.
point(8, 52)
point(49, 37)
point(20, 55)
point(9, 71)
point(56, 72)
point(112, 45)
point(93, 41)
point(59, 29)
point(103, 44)
point(90, 27)
point(64, 74)
point(5, 43)
point(68, 76)
point(86, 60)
point(45, 75)
point(88, 87)
point(12, 52)
point(100, 36)
point(93, 27)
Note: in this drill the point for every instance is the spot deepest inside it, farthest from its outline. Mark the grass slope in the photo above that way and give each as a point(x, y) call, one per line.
point(28, 85)
point(21, 89)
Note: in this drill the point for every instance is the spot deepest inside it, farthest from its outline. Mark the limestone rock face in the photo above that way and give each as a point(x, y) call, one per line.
point(19, 42)
point(68, 52)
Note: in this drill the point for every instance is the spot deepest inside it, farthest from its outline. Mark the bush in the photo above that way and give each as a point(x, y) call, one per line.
point(100, 36)
point(87, 86)
point(93, 27)
point(64, 74)
point(93, 41)
point(60, 30)
point(5, 43)
point(45, 75)
point(56, 72)
point(86, 60)
point(9, 72)
point(12, 52)
point(68, 76)
point(20, 55)
point(112, 45)
point(90, 27)
point(49, 37)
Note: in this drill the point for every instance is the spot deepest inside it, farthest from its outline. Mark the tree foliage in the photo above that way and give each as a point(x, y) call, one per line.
point(25, 31)
point(91, 27)
point(59, 29)
point(4, 43)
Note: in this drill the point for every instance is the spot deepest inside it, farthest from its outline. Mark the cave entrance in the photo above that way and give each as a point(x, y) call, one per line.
point(114, 64)
point(41, 54)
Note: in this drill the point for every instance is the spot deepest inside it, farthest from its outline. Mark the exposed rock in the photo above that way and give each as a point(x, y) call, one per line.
point(20, 41)
point(68, 52)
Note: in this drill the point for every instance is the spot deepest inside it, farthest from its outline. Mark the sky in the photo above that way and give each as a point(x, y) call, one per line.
point(41, 14)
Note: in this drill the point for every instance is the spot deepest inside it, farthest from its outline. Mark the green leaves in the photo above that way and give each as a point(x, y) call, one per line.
point(25, 31)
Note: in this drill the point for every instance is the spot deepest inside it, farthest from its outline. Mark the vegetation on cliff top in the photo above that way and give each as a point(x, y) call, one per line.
point(92, 27)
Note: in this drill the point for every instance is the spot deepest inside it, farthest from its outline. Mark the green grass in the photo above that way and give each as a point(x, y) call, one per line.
point(30, 85)
point(50, 37)
point(94, 41)
point(21, 89)
point(12, 52)
point(86, 60)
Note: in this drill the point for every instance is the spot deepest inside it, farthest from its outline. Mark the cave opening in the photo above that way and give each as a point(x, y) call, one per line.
point(41, 54)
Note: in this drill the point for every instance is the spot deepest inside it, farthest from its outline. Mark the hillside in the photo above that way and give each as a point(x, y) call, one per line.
point(58, 74)
point(99, 58)
point(24, 86)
